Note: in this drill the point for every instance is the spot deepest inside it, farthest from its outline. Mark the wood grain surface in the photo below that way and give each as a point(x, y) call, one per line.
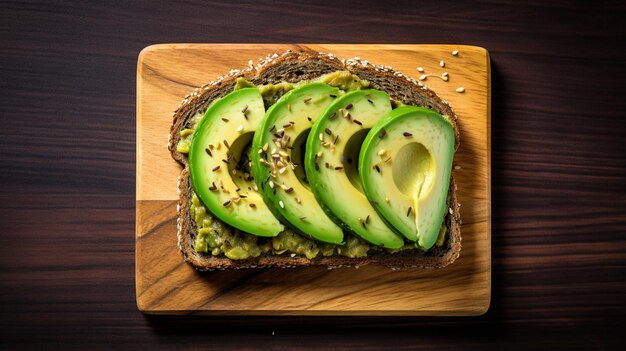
point(164, 285)
point(67, 171)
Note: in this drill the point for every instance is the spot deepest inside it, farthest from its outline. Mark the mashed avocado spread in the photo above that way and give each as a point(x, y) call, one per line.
point(216, 238)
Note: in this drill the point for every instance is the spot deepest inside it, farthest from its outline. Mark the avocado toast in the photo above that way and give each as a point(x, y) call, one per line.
point(209, 243)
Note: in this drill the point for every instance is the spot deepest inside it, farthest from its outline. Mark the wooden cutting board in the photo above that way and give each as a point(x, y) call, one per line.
point(166, 284)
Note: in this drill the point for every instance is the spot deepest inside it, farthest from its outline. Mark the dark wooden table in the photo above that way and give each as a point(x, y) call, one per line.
point(67, 176)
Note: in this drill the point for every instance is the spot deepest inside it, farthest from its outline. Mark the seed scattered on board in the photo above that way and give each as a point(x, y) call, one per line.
point(460, 90)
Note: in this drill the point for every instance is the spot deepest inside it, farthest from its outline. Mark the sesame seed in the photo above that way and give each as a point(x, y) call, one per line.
point(423, 77)
point(444, 74)
point(282, 205)
point(455, 52)
point(319, 154)
point(265, 147)
point(382, 152)
point(240, 128)
point(293, 255)
point(321, 136)
point(442, 64)
point(208, 151)
point(346, 114)
point(216, 168)
point(271, 184)
point(420, 69)
point(457, 167)
point(282, 170)
point(450, 210)
point(460, 90)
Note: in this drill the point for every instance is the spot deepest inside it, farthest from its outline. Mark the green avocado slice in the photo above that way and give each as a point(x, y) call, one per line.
point(404, 166)
point(277, 160)
point(331, 156)
point(217, 159)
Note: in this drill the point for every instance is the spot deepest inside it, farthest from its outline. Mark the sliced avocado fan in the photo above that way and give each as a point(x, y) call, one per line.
point(218, 163)
point(404, 166)
point(331, 156)
point(278, 157)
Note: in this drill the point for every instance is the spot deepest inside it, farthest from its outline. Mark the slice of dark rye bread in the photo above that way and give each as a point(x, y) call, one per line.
point(293, 67)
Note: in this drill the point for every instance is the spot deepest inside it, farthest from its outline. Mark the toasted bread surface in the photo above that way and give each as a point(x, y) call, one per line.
point(294, 67)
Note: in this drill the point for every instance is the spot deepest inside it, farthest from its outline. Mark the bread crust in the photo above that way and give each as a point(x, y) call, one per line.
point(293, 67)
